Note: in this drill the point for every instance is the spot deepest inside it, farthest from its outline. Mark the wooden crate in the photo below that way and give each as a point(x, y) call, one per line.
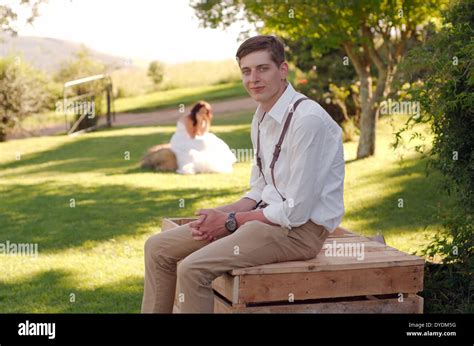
point(385, 281)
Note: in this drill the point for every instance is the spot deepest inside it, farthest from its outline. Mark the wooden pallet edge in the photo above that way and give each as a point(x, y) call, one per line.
point(304, 267)
point(228, 286)
point(411, 304)
point(338, 284)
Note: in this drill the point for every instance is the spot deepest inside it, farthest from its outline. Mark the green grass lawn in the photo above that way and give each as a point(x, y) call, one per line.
point(173, 98)
point(93, 253)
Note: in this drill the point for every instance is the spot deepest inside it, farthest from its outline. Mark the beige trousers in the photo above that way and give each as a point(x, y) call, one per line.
point(254, 243)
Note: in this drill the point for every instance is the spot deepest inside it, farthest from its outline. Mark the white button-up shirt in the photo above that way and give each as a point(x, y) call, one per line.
point(309, 172)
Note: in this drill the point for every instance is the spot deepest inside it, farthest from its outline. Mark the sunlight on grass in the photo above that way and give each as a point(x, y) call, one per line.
point(94, 251)
point(175, 97)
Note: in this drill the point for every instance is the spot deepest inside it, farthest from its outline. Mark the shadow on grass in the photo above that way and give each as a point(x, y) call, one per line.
point(50, 292)
point(43, 214)
point(421, 196)
point(90, 153)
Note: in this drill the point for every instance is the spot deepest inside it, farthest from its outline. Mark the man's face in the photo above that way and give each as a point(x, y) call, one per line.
point(261, 77)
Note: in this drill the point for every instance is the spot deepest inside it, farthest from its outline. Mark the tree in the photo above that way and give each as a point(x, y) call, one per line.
point(441, 73)
point(19, 83)
point(83, 65)
point(8, 16)
point(373, 34)
point(155, 72)
point(446, 95)
point(324, 80)
point(23, 91)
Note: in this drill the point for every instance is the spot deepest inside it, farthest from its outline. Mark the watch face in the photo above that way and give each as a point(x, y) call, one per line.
point(231, 225)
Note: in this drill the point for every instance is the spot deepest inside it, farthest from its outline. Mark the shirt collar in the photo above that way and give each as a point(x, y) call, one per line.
point(280, 108)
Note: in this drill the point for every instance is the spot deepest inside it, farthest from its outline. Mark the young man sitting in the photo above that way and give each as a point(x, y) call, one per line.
point(295, 201)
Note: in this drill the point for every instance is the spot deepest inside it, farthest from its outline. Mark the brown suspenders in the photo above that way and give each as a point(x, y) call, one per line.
point(276, 151)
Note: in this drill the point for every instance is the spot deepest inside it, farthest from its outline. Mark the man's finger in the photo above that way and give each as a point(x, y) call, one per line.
point(202, 212)
point(201, 219)
point(194, 224)
point(208, 236)
point(199, 237)
point(195, 231)
point(198, 222)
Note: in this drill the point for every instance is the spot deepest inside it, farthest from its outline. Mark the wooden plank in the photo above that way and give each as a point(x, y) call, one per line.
point(167, 224)
point(410, 305)
point(228, 286)
point(373, 248)
point(379, 238)
point(224, 285)
point(345, 235)
point(333, 284)
point(421, 302)
point(396, 279)
point(176, 309)
point(365, 244)
point(376, 255)
point(339, 231)
point(180, 220)
point(305, 267)
point(356, 239)
point(322, 263)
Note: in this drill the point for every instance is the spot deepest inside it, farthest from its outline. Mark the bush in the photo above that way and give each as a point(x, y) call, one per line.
point(155, 72)
point(131, 82)
point(447, 102)
point(350, 131)
point(24, 91)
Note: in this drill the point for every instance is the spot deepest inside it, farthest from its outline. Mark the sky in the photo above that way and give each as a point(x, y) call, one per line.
point(165, 30)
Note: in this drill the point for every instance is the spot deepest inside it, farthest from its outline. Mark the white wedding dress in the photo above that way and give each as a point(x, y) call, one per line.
point(202, 154)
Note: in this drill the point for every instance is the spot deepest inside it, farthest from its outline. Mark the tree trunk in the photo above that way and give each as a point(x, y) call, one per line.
point(343, 108)
point(356, 100)
point(367, 133)
point(3, 128)
point(367, 120)
point(3, 135)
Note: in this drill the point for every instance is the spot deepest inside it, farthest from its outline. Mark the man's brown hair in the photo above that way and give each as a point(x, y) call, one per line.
point(272, 44)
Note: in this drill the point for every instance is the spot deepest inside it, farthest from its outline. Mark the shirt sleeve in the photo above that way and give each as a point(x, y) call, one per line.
point(312, 149)
point(257, 183)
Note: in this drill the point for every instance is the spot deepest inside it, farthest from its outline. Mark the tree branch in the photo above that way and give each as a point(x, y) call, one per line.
point(355, 58)
point(401, 46)
point(374, 55)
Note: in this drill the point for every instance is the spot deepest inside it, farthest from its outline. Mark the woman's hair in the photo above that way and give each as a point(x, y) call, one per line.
point(197, 107)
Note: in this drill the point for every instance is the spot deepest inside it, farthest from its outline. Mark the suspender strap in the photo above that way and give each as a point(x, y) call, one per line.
point(259, 160)
point(276, 151)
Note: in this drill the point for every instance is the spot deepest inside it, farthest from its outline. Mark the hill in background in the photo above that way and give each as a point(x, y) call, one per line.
point(129, 76)
point(48, 54)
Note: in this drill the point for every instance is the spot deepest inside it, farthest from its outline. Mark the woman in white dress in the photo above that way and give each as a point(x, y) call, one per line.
point(197, 150)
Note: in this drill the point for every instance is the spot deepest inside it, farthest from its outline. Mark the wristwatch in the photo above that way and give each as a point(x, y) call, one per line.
point(231, 223)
